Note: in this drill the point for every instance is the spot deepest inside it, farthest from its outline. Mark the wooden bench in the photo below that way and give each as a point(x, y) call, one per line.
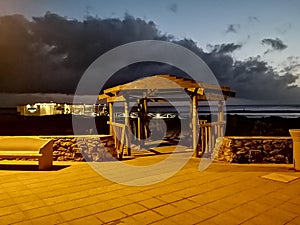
point(28, 147)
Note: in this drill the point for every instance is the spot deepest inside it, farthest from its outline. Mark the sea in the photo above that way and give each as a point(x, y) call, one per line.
point(250, 111)
point(258, 111)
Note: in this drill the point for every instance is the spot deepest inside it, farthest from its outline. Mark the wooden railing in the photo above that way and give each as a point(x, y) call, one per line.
point(209, 132)
point(121, 138)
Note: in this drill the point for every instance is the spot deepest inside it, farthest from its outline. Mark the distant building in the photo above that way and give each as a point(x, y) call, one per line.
point(48, 109)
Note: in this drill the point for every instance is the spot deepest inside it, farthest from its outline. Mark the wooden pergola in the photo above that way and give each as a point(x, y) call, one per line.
point(160, 88)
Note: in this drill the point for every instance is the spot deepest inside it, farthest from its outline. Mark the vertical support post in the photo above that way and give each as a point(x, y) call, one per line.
point(111, 114)
point(220, 118)
point(145, 118)
point(195, 123)
point(191, 124)
point(127, 127)
point(139, 120)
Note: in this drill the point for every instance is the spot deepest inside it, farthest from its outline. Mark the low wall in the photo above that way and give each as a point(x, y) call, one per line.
point(83, 148)
point(255, 149)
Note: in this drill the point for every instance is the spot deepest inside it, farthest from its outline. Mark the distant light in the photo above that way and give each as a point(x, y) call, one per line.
point(32, 110)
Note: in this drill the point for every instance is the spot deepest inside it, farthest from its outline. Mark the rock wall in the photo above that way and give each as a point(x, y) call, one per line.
point(83, 148)
point(255, 149)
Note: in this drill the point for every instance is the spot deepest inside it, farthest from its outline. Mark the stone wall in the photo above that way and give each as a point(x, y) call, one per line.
point(255, 149)
point(83, 148)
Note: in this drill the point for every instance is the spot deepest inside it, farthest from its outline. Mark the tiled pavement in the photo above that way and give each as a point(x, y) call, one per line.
point(222, 194)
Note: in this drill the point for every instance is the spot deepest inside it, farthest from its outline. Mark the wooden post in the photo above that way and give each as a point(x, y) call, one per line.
point(139, 120)
point(145, 119)
point(220, 118)
point(127, 127)
point(195, 123)
point(111, 114)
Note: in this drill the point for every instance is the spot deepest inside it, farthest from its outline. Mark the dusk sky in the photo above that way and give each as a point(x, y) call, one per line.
point(261, 33)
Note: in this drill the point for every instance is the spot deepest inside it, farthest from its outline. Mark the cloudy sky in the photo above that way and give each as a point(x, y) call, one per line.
point(251, 46)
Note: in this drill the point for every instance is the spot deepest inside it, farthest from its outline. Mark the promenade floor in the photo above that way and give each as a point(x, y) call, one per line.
point(74, 193)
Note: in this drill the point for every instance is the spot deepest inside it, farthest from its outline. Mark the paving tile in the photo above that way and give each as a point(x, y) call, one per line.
point(111, 215)
point(295, 220)
point(168, 210)
point(93, 220)
point(6, 202)
point(55, 199)
point(12, 218)
point(38, 212)
point(222, 205)
point(290, 207)
point(152, 203)
point(225, 218)
point(204, 198)
point(147, 217)
point(185, 204)
point(186, 218)
point(73, 214)
point(9, 210)
point(170, 197)
point(137, 197)
point(126, 221)
point(118, 202)
point(17, 194)
point(31, 205)
point(165, 222)
point(203, 213)
point(50, 219)
point(295, 200)
point(274, 216)
point(63, 206)
point(25, 199)
point(132, 209)
point(99, 207)
point(4, 195)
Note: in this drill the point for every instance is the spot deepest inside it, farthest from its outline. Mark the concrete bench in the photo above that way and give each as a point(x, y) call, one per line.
point(28, 147)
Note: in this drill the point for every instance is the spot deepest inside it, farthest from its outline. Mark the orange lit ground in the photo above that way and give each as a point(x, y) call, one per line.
point(223, 194)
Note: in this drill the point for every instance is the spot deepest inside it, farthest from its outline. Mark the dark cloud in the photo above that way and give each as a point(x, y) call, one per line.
point(275, 44)
point(253, 19)
point(49, 54)
point(173, 7)
point(224, 48)
point(233, 28)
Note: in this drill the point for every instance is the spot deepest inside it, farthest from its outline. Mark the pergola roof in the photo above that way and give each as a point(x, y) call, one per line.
point(166, 85)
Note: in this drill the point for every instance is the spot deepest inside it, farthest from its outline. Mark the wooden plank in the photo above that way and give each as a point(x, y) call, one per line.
point(116, 99)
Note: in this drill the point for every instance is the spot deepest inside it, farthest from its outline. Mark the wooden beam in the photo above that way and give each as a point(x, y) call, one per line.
point(211, 97)
point(116, 99)
point(103, 96)
point(199, 91)
point(114, 89)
